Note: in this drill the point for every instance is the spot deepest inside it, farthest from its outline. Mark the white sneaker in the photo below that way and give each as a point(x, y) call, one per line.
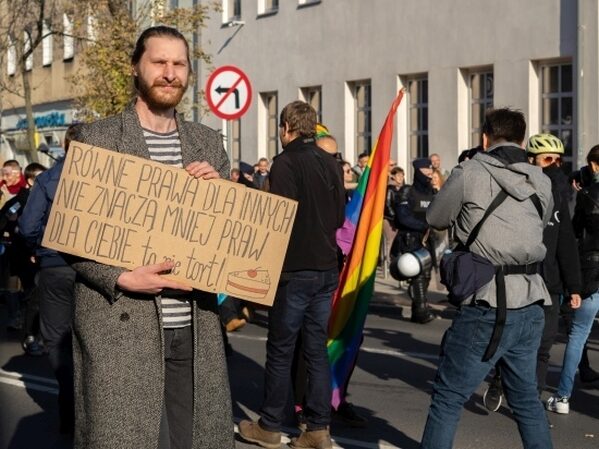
point(558, 405)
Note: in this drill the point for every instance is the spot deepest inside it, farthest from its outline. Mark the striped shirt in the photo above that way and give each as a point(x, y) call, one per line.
point(166, 148)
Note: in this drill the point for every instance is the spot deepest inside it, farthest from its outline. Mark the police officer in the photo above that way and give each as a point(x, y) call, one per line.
point(410, 221)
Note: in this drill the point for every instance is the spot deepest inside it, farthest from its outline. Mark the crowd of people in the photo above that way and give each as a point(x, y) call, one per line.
point(102, 326)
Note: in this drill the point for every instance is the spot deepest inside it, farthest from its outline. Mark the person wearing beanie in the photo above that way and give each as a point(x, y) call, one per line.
point(410, 221)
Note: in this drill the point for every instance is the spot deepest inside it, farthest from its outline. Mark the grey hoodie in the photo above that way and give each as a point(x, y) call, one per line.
point(513, 233)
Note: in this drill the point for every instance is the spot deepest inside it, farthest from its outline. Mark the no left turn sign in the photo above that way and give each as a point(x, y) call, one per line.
point(228, 92)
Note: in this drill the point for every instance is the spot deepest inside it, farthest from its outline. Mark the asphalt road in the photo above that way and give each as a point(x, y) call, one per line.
point(391, 386)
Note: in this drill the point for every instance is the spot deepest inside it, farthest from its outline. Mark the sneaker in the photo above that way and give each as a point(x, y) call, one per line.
point(558, 405)
point(235, 324)
point(32, 347)
point(347, 413)
point(254, 433)
point(493, 397)
point(313, 439)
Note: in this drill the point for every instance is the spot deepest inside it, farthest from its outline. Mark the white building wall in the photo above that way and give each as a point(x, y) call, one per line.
point(337, 41)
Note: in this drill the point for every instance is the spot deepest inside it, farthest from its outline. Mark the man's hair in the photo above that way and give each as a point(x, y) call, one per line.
point(505, 124)
point(156, 31)
point(433, 155)
point(263, 159)
point(72, 133)
point(361, 155)
point(11, 163)
point(300, 117)
point(593, 155)
point(33, 169)
point(396, 170)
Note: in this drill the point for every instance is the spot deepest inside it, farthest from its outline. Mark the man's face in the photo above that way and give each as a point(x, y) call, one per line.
point(426, 171)
point(547, 159)
point(263, 167)
point(436, 162)
point(363, 161)
point(11, 175)
point(399, 178)
point(163, 72)
point(234, 175)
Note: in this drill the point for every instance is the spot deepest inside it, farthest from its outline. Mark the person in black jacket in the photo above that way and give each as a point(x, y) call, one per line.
point(412, 228)
point(19, 258)
point(586, 228)
point(309, 175)
point(561, 266)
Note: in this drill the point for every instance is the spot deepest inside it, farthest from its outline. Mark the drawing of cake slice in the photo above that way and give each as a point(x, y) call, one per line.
point(248, 283)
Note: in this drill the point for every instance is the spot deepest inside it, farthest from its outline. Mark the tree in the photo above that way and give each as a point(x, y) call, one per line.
point(24, 24)
point(103, 82)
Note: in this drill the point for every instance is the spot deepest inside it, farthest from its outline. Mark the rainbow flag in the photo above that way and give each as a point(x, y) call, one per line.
point(360, 238)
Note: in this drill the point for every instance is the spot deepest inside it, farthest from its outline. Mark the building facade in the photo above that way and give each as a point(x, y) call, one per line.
point(49, 68)
point(454, 59)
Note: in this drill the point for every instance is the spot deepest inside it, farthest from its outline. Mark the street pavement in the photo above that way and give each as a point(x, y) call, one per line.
point(391, 386)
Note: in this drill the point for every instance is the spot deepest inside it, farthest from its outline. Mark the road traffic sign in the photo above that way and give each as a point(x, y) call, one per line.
point(228, 92)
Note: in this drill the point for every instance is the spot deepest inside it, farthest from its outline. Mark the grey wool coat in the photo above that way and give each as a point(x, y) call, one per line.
point(118, 338)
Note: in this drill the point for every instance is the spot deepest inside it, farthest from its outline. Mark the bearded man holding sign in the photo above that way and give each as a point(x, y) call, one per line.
point(149, 360)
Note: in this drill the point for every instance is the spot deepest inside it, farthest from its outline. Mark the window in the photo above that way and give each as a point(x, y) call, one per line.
point(11, 57)
point(68, 40)
point(481, 99)
point(418, 117)
point(363, 114)
point(268, 6)
point(46, 45)
point(557, 105)
point(26, 49)
point(271, 108)
point(231, 10)
point(313, 96)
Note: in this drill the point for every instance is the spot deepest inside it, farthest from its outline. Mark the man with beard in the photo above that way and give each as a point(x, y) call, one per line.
point(410, 221)
point(148, 352)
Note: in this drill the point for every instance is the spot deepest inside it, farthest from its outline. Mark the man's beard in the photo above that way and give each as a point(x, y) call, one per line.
point(156, 98)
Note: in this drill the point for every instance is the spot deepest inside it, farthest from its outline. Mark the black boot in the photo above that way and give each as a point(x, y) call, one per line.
point(421, 313)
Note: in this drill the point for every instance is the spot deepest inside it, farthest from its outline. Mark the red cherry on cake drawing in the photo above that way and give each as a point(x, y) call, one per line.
point(252, 273)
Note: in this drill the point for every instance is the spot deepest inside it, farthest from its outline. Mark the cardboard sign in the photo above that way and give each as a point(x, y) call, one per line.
point(127, 211)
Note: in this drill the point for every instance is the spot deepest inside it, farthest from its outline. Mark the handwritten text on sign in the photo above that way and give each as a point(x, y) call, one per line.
point(126, 211)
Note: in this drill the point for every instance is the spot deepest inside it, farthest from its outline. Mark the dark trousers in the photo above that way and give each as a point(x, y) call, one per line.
point(55, 287)
point(176, 427)
point(302, 302)
point(549, 333)
point(32, 313)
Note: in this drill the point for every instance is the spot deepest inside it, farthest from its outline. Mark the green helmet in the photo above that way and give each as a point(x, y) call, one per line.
point(544, 143)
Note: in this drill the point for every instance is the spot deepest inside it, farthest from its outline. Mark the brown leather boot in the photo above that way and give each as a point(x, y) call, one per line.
point(252, 432)
point(313, 439)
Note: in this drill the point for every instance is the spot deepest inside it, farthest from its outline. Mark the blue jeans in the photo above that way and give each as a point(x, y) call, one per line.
point(461, 370)
point(582, 323)
point(302, 302)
